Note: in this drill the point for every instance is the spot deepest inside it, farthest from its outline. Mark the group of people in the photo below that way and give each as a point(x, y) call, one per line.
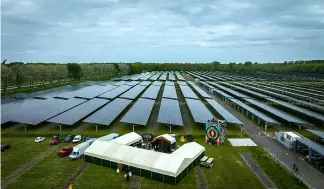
point(295, 168)
point(127, 174)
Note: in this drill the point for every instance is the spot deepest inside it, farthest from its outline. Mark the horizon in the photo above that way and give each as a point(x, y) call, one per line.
point(122, 31)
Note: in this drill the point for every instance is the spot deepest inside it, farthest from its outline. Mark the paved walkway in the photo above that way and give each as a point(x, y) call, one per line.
point(263, 177)
point(312, 176)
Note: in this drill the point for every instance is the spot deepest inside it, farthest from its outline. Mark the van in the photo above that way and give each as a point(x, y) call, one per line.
point(77, 139)
point(78, 150)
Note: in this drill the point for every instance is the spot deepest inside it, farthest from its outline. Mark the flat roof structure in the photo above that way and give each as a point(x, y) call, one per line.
point(133, 92)
point(281, 114)
point(170, 113)
point(241, 142)
point(199, 111)
point(142, 105)
point(115, 92)
point(169, 92)
point(317, 133)
point(152, 92)
point(226, 115)
point(47, 110)
point(107, 114)
point(77, 113)
point(313, 145)
point(299, 109)
point(187, 92)
point(199, 90)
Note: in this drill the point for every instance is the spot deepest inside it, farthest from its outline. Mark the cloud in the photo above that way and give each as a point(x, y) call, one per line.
point(161, 31)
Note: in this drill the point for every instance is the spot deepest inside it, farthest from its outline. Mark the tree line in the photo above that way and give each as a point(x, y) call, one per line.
point(18, 74)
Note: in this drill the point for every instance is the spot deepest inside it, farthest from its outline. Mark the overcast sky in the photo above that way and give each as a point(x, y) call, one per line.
point(161, 30)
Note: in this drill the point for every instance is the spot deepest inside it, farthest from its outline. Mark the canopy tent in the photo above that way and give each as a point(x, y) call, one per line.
point(159, 166)
point(128, 139)
point(164, 143)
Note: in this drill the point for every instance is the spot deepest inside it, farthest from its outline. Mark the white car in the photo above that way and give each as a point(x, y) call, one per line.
point(39, 139)
point(77, 139)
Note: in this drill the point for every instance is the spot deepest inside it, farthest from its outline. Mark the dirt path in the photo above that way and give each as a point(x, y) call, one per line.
point(262, 176)
point(135, 182)
point(76, 175)
point(184, 111)
point(200, 178)
point(153, 124)
point(27, 166)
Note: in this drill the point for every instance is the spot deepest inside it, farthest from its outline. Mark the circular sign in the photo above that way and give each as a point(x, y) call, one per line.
point(212, 133)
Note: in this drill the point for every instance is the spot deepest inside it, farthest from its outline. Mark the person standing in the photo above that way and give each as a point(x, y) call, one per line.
point(294, 167)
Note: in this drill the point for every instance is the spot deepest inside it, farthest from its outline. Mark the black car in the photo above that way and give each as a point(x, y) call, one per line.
point(68, 138)
point(5, 147)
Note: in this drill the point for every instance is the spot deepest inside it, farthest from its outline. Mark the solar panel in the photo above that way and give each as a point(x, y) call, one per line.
point(235, 93)
point(132, 83)
point(170, 92)
point(47, 110)
point(115, 92)
point(157, 83)
point(145, 83)
point(120, 83)
point(14, 109)
point(163, 77)
point(207, 85)
point(298, 109)
point(170, 112)
point(317, 147)
point(107, 114)
point(179, 76)
point(187, 92)
point(152, 92)
point(182, 83)
point(171, 83)
point(77, 113)
point(277, 112)
point(133, 92)
point(199, 90)
point(230, 118)
point(317, 133)
point(171, 77)
point(199, 111)
point(139, 113)
point(248, 91)
point(255, 112)
point(155, 77)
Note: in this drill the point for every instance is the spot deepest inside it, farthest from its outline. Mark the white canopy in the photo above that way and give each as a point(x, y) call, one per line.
point(169, 164)
point(128, 139)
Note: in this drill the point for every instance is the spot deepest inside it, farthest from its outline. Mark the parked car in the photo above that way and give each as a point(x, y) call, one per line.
point(56, 140)
point(65, 151)
point(5, 147)
point(77, 139)
point(78, 150)
point(39, 139)
point(68, 138)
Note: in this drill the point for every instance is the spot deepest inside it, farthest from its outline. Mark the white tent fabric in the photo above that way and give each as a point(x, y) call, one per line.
point(128, 139)
point(168, 164)
point(166, 137)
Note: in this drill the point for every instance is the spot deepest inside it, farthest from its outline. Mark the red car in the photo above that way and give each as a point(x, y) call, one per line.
point(56, 140)
point(65, 151)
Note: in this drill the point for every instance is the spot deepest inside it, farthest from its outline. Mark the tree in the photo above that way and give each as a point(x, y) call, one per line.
point(74, 71)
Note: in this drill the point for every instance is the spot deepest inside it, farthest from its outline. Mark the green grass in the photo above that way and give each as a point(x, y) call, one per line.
point(280, 176)
point(53, 171)
point(22, 151)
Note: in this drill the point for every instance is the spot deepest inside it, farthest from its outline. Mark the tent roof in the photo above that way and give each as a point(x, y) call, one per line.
point(169, 164)
point(128, 139)
point(167, 137)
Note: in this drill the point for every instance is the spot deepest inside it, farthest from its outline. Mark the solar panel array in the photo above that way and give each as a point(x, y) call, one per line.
point(230, 118)
point(132, 83)
point(235, 93)
point(313, 145)
point(155, 77)
point(199, 111)
point(171, 77)
point(47, 110)
point(157, 83)
point(115, 92)
point(152, 92)
point(187, 92)
point(170, 112)
point(139, 113)
point(199, 90)
point(133, 92)
point(179, 76)
point(120, 83)
point(182, 83)
point(255, 112)
point(170, 92)
point(163, 77)
point(171, 83)
point(107, 114)
point(77, 113)
point(145, 83)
